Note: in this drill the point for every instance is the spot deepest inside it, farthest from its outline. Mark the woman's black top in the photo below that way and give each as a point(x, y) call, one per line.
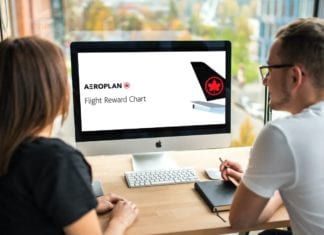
point(48, 187)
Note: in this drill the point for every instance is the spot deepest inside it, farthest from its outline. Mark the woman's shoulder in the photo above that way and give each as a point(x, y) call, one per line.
point(47, 149)
point(47, 145)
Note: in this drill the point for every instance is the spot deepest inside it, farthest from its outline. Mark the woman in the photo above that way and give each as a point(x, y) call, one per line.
point(45, 184)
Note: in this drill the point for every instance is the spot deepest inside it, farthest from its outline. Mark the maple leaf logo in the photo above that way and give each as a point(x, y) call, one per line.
point(126, 85)
point(214, 86)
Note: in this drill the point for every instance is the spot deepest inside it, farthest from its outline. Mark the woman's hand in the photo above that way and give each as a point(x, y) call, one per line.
point(123, 216)
point(107, 202)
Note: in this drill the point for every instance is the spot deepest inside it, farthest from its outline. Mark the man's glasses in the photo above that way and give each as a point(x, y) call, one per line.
point(265, 69)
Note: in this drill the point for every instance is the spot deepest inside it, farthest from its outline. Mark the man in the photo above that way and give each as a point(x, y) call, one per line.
point(287, 159)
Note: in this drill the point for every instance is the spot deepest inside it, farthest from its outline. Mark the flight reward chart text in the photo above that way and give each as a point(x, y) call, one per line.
point(109, 100)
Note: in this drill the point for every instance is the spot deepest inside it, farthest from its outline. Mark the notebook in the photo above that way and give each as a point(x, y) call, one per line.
point(218, 194)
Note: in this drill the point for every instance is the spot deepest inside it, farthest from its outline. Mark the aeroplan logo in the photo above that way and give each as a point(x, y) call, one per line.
point(103, 86)
point(212, 84)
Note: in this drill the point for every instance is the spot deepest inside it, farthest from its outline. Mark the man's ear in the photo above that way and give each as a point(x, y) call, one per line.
point(294, 79)
point(297, 77)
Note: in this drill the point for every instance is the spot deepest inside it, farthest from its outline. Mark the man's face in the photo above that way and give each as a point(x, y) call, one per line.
point(276, 81)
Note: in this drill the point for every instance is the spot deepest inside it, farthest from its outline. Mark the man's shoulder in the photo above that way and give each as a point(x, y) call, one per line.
point(299, 120)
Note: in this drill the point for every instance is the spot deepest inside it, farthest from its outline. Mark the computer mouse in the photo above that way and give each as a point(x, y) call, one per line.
point(213, 173)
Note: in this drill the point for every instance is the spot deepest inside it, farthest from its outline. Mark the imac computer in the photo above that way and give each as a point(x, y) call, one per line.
point(147, 98)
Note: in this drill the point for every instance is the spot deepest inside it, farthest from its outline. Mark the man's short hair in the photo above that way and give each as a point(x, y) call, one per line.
point(303, 42)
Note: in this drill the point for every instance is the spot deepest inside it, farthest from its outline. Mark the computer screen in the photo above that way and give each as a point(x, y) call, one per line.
point(141, 97)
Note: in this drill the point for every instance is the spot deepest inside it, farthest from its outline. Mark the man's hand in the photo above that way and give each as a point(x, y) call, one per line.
point(231, 171)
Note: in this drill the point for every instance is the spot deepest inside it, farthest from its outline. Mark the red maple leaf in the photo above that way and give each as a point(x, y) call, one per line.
point(126, 85)
point(214, 86)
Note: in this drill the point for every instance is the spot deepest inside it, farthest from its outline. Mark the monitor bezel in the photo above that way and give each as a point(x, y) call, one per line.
point(148, 46)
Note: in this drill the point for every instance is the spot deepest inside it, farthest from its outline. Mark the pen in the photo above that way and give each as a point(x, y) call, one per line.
point(221, 160)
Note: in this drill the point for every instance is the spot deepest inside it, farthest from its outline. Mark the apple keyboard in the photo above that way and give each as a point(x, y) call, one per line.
point(155, 177)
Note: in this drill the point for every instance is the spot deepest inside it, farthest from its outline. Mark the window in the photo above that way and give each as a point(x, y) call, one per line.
point(5, 27)
point(249, 24)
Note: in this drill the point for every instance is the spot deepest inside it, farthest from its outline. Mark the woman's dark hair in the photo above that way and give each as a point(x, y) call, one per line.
point(33, 91)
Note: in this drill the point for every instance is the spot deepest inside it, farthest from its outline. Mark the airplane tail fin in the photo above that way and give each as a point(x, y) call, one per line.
point(211, 83)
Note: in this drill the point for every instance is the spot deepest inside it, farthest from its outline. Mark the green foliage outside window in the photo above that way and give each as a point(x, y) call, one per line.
point(232, 24)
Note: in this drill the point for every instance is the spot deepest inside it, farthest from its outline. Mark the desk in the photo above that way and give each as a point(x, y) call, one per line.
point(174, 209)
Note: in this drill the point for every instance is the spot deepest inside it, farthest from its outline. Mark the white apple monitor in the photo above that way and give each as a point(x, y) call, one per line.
point(150, 97)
